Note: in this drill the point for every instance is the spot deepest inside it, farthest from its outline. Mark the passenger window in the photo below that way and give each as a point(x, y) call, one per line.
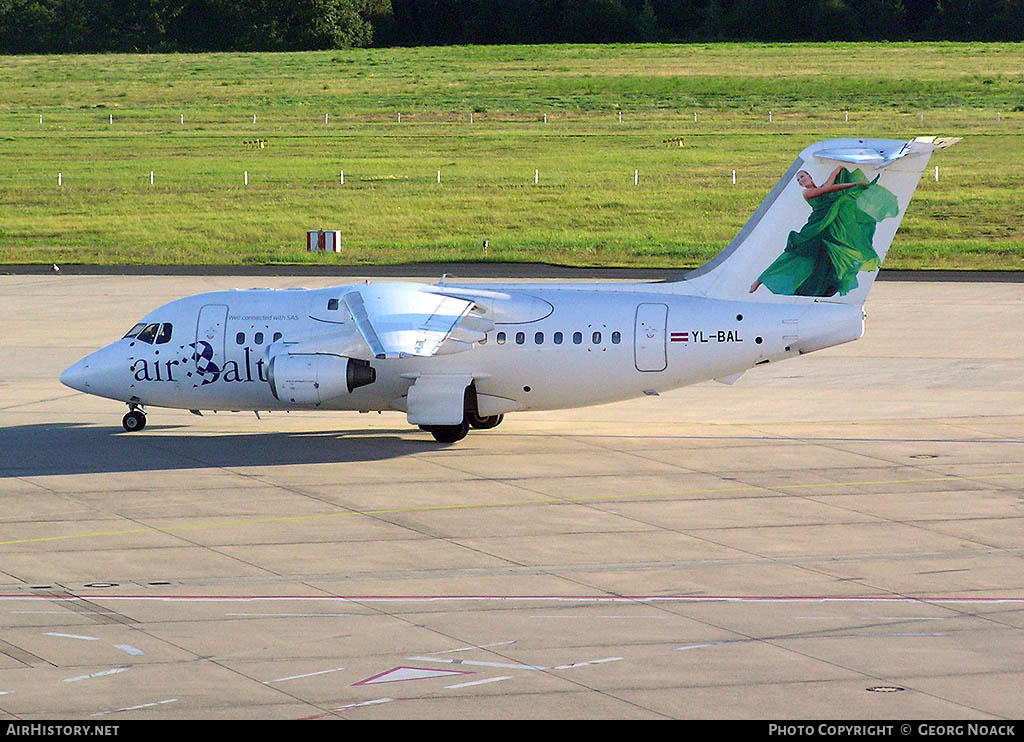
point(539, 338)
point(149, 334)
point(577, 337)
point(616, 338)
point(520, 338)
point(332, 304)
point(164, 336)
point(240, 338)
point(557, 337)
point(277, 336)
point(258, 338)
point(135, 330)
point(596, 338)
point(501, 338)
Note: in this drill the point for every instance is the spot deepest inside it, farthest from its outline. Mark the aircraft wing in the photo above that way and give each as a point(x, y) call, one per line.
point(497, 306)
point(403, 320)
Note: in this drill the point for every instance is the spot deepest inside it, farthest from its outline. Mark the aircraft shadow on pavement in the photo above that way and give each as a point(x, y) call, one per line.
point(73, 448)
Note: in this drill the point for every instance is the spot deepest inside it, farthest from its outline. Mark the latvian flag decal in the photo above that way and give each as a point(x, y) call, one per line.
point(679, 337)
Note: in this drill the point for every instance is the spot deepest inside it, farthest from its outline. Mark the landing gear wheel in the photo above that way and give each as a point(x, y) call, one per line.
point(449, 433)
point(485, 423)
point(134, 421)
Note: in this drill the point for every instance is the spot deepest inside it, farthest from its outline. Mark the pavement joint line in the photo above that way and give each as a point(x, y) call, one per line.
point(548, 501)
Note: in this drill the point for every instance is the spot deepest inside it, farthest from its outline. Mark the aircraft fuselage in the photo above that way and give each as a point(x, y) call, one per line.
point(591, 346)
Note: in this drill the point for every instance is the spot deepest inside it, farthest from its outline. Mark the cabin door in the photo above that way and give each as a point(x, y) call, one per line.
point(208, 349)
point(649, 337)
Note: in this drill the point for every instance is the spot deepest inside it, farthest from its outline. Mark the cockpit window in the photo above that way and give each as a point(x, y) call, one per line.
point(135, 330)
point(164, 335)
point(148, 334)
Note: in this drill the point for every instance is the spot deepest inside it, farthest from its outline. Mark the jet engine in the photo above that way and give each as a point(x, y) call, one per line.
point(314, 378)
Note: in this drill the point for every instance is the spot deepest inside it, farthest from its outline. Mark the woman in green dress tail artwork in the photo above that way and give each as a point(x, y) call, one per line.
point(824, 257)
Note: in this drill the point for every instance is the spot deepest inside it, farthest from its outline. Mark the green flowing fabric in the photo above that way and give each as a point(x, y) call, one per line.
point(824, 257)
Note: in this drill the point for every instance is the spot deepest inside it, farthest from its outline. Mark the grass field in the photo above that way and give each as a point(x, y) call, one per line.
point(584, 208)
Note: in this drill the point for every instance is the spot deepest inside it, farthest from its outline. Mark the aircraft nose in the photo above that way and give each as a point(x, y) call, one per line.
point(76, 376)
point(85, 375)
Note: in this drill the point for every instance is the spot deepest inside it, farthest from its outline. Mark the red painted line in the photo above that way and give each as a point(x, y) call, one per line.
point(525, 598)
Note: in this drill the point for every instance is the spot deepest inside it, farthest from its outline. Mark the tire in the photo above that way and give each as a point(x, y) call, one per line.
point(134, 421)
point(449, 433)
point(485, 423)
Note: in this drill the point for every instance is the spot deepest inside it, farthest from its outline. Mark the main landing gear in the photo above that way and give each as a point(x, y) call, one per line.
point(448, 433)
point(135, 420)
point(470, 419)
point(484, 423)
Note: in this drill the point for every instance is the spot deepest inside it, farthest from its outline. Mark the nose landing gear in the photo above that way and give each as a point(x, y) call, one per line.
point(135, 420)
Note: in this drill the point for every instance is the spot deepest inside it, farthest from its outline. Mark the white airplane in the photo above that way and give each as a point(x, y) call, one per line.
point(455, 357)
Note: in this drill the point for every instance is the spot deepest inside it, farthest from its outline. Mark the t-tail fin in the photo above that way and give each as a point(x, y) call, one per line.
point(825, 228)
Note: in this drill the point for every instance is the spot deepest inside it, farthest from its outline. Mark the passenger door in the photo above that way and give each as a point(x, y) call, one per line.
point(649, 337)
point(208, 349)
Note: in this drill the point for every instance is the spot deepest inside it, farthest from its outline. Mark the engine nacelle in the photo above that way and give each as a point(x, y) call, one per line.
point(314, 378)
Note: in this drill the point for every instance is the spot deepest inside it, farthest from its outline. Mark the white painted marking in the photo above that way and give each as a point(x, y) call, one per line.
point(291, 615)
point(698, 646)
point(307, 675)
point(101, 674)
point(400, 674)
point(364, 703)
point(871, 633)
point(5, 692)
point(590, 662)
point(134, 708)
point(507, 666)
point(72, 636)
point(37, 613)
point(479, 682)
point(129, 649)
point(468, 649)
point(870, 618)
point(652, 618)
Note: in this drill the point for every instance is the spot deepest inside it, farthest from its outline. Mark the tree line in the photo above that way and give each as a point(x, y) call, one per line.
point(59, 26)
